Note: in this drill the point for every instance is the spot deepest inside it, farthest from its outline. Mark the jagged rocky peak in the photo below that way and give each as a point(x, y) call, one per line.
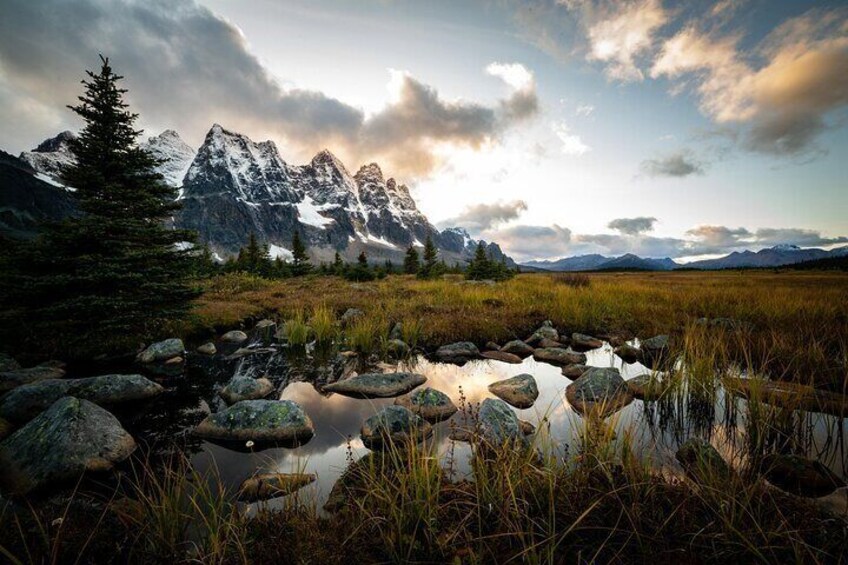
point(176, 155)
point(52, 155)
point(370, 173)
point(56, 143)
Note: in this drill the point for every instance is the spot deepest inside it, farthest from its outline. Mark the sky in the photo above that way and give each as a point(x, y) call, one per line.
point(555, 128)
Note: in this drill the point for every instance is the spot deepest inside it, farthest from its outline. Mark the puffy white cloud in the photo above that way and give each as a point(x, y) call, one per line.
point(572, 144)
point(480, 217)
point(678, 164)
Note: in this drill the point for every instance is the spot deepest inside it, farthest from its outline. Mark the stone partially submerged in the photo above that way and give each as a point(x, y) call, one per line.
point(599, 391)
point(628, 353)
point(501, 356)
point(458, 353)
point(574, 372)
point(161, 351)
point(13, 379)
point(377, 385)
point(265, 486)
point(26, 402)
point(655, 349)
point(497, 424)
point(264, 422)
point(799, 475)
point(558, 356)
point(69, 438)
point(520, 391)
point(585, 342)
point(646, 387)
point(518, 348)
point(394, 426)
point(429, 403)
point(242, 387)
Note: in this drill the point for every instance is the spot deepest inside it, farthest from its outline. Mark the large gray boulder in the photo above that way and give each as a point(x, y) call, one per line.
point(26, 402)
point(517, 347)
point(377, 385)
point(498, 425)
point(600, 390)
point(259, 421)
point(585, 342)
point(242, 387)
point(394, 426)
point(13, 379)
point(69, 438)
point(429, 403)
point(162, 351)
point(559, 356)
point(520, 391)
point(457, 353)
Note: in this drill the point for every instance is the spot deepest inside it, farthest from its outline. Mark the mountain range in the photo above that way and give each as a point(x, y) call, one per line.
point(776, 256)
point(232, 186)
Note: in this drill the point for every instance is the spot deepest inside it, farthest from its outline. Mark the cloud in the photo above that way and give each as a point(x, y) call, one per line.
point(679, 164)
point(529, 242)
point(632, 226)
point(782, 92)
point(584, 110)
point(187, 67)
point(571, 142)
point(480, 217)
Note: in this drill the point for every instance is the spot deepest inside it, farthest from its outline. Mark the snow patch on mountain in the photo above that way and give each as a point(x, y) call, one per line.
point(176, 155)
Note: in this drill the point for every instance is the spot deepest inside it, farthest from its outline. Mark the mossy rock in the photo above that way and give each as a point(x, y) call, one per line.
point(377, 385)
point(429, 403)
point(498, 425)
point(558, 356)
point(545, 331)
point(600, 391)
point(520, 391)
point(646, 387)
point(799, 475)
point(518, 347)
point(585, 342)
point(242, 387)
point(628, 353)
point(264, 422)
point(394, 426)
point(574, 372)
point(457, 353)
point(13, 379)
point(162, 351)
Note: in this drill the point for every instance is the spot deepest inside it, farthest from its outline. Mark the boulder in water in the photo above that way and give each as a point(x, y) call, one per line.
point(628, 353)
point(265, 422)
point(517, 347)
point(799, 475)
point(598, 390)
point(520, 391)
point(377, 385)
point(498, 425)
point(558, 356)
point(234, 337)
point(545, 331)
point(702, 462)
point(429, 403)
point(207, 349)
point(501, 356)
point(242, 387)
point(161, 351)
point(394, 426)
point(458, 353)
point(575, 371)
point(646, 387)
point(13, 379)
point(655, 349)
point(585, 342)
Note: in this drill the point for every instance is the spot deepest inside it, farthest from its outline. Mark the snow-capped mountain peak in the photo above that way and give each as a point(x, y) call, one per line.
point(176, 155)
point(51, 156)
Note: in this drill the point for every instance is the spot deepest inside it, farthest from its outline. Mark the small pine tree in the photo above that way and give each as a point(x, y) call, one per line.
point(361, 271)
point(480, 267)
point(430, 268)
point(300, 259)
point(411, 263)
point(338, 264)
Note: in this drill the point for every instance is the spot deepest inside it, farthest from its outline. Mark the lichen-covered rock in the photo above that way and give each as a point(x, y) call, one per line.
point(260, 421)
point(207, 349)
point(575, 371)
point(646, 387)
point(628, 353)
point(501, 356)
point(26, 402)
point(242, 387)
point(518, 347)
point(8, 364)
point(457, 353)
point(498, 425)
point(397, 349)
point(520, 391)
point(558, 356)
point(265, 486)
point(13, 379)
point(702, 462)
point(377, 385)
point(545, 331)
point(162, 351)
point(598, 390)
point(234, 337)
point(394, 426)
point(654, 349)
point(69, 438)
point(431, 404)
point(799, 475)
point(585, 342)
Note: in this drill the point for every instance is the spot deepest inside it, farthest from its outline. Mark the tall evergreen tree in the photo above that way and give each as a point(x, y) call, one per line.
point(430, 268)
point(338, 264)
point(411, 263)
point(300, 259)
point(480, 267)
point(115, 274)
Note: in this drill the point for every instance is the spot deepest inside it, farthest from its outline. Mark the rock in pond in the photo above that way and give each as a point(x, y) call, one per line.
point(585, 342)
point(545, 342)
point(394, 426)
point(520, 391)
point(261, 421)
point(457, 353)
point(646, 387)
point(161, 351)
point(498, 425)
point(545, 331)
point(799, 475)
point(265, 486)
point(654, 349)
point(60, 444)
point(558, 356)
point(377, 385)
point(702, 462)
point(429, 403)
point(26, 402)
point(518, 347)
point(207, 349)
point(242, 387)
point(501, 356)
point(234, 337)
point(13, 379)
point(575, 371)
point(598, 390)
point(628, 353)
point(8, 364)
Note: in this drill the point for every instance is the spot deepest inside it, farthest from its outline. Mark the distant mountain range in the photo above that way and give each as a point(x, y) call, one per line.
point(232, 186)
point(776, 256)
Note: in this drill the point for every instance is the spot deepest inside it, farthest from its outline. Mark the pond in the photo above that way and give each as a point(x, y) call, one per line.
point(654, 429)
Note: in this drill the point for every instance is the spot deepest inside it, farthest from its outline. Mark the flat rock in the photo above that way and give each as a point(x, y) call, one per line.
point(69, 438)
point(558, 356)
point(628, 353)
point(545, 331)
point(702, 462)
point(260, 421)
point(162, 351)
point(26, 402)
point(19, 377)
point(394, 426)
point(501, 356)
point(377, 385)
point(242, 387)
point(429, 403)
point(585, 342)
point(207, 349)
point(575, 371)
point(646, 387)
point(518, 347)
point(799, 475)
point(520, 391)
point(545, 342)
point(598, 390)
point(234, 337)
point(265, 486)
point(458, 353)
point(498, 425)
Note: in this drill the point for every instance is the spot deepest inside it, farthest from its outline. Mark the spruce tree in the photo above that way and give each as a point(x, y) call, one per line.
point(115, 274)
point(430, 267)
point(411, 263)
point(338, 264)
point(300, 259)
point(480, 266)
